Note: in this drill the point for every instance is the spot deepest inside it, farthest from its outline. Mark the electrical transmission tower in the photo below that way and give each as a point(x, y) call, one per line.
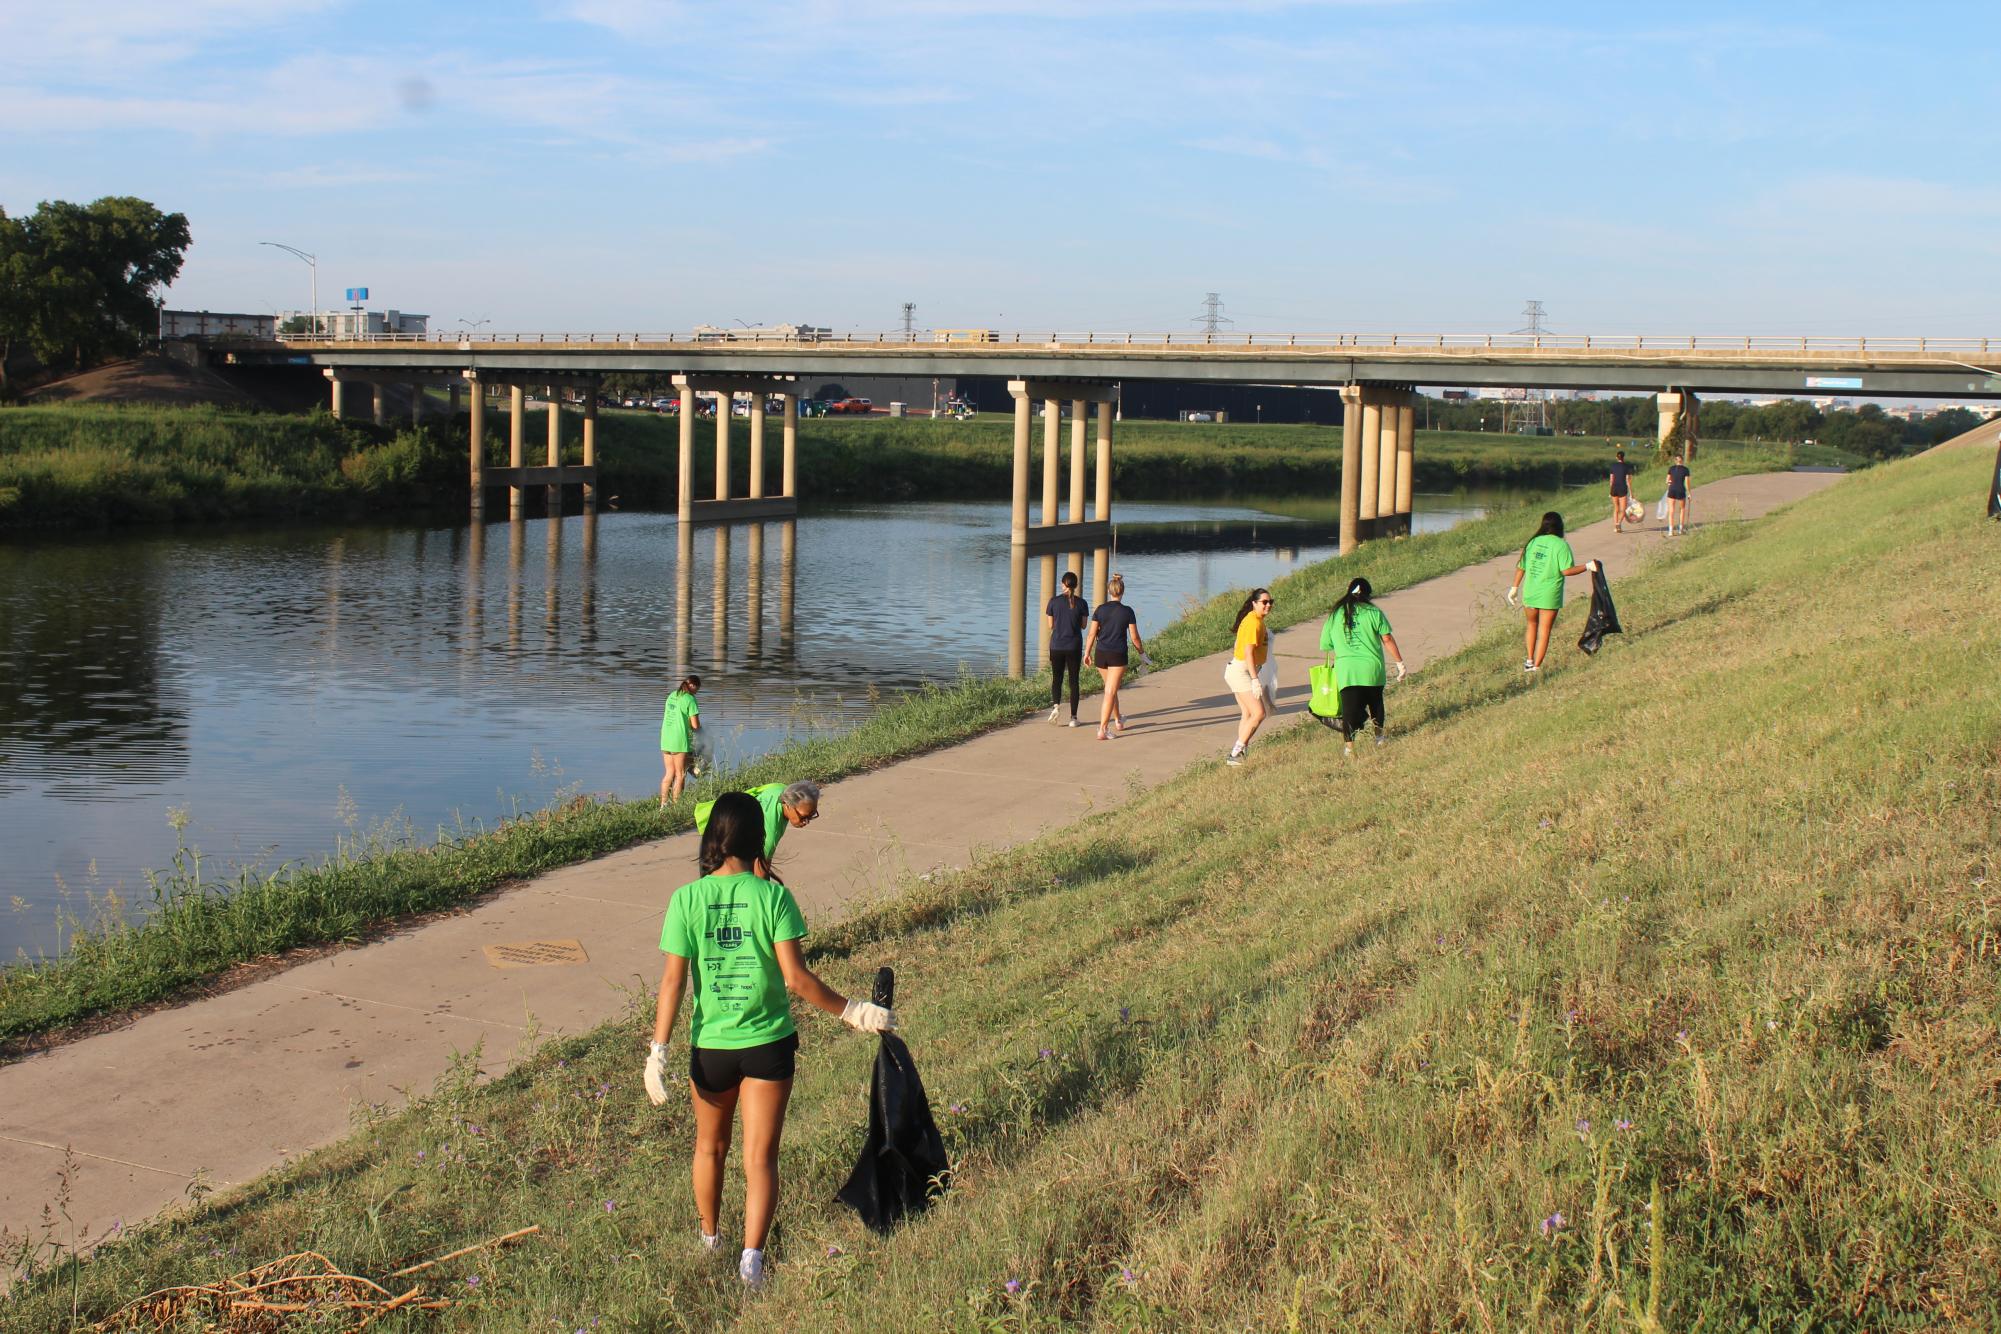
point(1533, 313)
point(1537, 405)
point(910, 321)
point(1212, 319)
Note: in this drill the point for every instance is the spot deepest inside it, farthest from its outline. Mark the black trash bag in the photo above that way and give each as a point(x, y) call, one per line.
point(902, 1165)
point(1604, 617)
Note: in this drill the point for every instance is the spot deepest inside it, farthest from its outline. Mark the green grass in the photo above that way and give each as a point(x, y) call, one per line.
point(1693, 945)
point(192, 929)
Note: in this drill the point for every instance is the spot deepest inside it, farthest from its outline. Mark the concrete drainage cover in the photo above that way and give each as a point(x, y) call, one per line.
point(536, 953)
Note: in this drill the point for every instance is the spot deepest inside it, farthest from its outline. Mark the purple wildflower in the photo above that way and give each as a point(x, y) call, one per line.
point(611, 1206)
point(1048, 1054)
point(1622, 1125)
point(833, 1251)
point(1553, 1224)
point(1583, 1129)
point(1125, 1014)
point(420, 1155)
point(473, 1281)
point(1128, 1277)
point(1013, 1287)
point(957, 1109)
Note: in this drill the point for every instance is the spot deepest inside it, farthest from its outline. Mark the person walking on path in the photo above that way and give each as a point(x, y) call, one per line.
point(1677, 498)
point(737, 934)
point(1112, 625)
point(1622, 491)
point(1067, 615)
point(782, 806)
point(1546, 562)
point(1356, 633)
point(679, 721)
point(1244, 674)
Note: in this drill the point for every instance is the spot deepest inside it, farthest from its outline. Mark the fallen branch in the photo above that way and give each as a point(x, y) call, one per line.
point(468, 1250)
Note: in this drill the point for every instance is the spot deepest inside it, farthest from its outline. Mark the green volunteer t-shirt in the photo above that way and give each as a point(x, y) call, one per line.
point(1358, 653)
point(728, 927)
point(1543, 563)
point(775, 823)
point(674, 735)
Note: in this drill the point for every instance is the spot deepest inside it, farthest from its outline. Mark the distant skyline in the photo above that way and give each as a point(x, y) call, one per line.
point(1040, 164)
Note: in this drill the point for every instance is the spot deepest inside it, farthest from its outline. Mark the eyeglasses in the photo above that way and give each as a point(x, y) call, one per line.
point(1263, 602)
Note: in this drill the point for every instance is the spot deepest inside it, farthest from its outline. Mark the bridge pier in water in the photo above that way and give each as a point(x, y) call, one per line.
point(1378, 450)
point(756, 504)
point(1674, 406)
point(518, 476)
point(1056, 534)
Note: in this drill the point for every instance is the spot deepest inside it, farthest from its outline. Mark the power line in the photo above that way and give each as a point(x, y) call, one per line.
point(1212, 319)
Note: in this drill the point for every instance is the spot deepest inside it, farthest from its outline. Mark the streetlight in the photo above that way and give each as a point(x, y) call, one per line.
point(474, 324)
point(312, 262)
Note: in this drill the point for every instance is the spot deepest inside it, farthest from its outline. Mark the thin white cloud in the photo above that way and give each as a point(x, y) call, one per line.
point(103, 40)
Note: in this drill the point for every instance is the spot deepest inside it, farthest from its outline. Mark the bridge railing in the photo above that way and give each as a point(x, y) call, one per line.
point(1467, 344)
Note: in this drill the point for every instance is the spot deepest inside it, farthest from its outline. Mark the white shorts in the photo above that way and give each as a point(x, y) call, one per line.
point(1237, 676)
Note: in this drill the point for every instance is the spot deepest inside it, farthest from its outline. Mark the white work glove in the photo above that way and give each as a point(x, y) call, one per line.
point(1591, 565)
point(868, 1017)
point(1511, 596)
point(1401, 673)
point(656, 1073)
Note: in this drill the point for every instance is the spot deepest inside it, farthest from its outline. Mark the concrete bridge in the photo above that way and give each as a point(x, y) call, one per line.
point(1375, 373)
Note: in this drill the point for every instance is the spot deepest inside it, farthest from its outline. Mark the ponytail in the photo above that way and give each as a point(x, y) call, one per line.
point(689, 685)
point(1358, 594)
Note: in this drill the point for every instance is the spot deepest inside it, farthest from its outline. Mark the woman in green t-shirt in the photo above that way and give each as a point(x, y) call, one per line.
point(679, 721)
point(1356, 633)
point(737, 936)
point(1546, 562)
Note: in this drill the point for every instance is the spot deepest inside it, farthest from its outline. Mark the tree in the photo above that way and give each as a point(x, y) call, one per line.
point(80, 282)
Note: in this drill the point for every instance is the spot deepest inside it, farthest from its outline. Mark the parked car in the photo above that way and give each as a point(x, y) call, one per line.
point(1201, 417)
point(852, 405)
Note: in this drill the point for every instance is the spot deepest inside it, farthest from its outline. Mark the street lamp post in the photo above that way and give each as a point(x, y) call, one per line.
point(313, 263)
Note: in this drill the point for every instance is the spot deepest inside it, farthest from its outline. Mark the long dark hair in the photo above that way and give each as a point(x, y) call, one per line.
point(689, 685)
point(1070, 584)
point(1245, 610)
point(736, 829)
point(1357, 595)
point(1552, 525)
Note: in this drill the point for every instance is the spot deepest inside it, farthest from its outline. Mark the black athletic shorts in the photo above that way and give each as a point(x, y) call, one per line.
point(720, 1069)
point(1358, 705)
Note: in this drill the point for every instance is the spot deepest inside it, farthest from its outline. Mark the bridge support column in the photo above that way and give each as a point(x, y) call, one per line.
point(591, 443)
point(1386, 465)
point(1675, 405)
point(381, 408)
point(555, 459)
point(1018, 534)
point(723, 446)
point(476, 451)
point(1351, 467)
point(685, 507)
point(515, 492)
point(791, 482)
point(1372, 460)
point(1101, 504)
point(757, 447)
point(336, 406)
point(1406, 454)
point(1052, 454)
point(1076, 512)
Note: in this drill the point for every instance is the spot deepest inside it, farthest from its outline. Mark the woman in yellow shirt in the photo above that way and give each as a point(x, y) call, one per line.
point(1244, 675)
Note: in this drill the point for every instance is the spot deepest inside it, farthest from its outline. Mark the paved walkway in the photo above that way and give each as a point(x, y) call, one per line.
point(236, 1084)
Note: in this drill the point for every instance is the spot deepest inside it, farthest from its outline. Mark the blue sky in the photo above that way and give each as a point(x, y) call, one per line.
point(1029, 164)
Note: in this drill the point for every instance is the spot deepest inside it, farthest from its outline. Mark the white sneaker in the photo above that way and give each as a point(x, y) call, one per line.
point(751, 1269)
point(1530, 667)
point(1073, 720)
point(1347, 750)
point(1055, 711)
point(1236, 756)
point(712, 1244)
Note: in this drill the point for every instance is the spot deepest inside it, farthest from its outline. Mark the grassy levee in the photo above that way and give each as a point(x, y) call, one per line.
point(192, 930)
point(1659, 993)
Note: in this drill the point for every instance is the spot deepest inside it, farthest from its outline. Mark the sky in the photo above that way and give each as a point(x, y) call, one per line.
point(1345, 165)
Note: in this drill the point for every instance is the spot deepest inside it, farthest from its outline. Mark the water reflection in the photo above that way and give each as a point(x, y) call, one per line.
point(270, 680)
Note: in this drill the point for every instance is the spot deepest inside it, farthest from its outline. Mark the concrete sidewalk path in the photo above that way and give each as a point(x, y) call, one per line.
point(235, 1084)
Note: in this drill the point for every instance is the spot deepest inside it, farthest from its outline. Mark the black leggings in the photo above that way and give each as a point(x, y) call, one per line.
point(1359, 703)
point(1063, 660)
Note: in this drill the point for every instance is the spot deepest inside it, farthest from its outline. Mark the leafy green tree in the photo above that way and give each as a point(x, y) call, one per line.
point(80, 282)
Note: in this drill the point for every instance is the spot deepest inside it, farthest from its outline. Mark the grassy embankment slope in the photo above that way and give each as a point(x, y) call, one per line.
point(194, 930)
point(91, 464)
point(1501, 1027)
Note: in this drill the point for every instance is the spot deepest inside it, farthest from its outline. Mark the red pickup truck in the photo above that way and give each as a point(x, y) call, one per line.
point(846, 405)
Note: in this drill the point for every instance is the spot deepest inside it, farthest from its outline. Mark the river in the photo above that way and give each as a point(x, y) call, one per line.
point(271, 690)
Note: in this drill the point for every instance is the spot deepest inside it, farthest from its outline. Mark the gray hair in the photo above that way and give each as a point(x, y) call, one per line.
point(799, 793)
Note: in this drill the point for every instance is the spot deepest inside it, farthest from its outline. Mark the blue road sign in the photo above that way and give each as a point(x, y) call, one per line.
point(357, 294)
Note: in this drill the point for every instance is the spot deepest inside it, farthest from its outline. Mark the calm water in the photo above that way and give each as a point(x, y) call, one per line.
point(283, 687)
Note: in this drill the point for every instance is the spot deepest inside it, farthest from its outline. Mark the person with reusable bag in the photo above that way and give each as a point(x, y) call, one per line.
point(1546, 562)
point(736, 935)
point(1244, 674)
point(1356, 633)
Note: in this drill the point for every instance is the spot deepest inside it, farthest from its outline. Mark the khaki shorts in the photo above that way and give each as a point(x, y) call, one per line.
point(1237, 676)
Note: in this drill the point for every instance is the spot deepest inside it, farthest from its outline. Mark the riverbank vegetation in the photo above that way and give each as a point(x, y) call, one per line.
point(191, 930)
point(1520, 1029)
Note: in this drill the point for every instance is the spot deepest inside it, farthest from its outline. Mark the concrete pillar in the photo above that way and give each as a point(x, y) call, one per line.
point(1052, 435)
point(1406, 448)
point(685, 509)
point(722, 446)
point(591, 442)
point(1018, 512)
point(757, 445)
point(477, 451)
point(1101, 505)
point(719, 596)
point(1351, 467)
point(753, 602)
point(1372, 457)
point(1386, 465)
point(1017, 602)
point(555, 453)
point(1048, 583)
point(381, 407)
point(514, 455)
point(684, 595)
point(1673, 403)
point(1078, 424)
point(338, 407)
point(791, 464)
